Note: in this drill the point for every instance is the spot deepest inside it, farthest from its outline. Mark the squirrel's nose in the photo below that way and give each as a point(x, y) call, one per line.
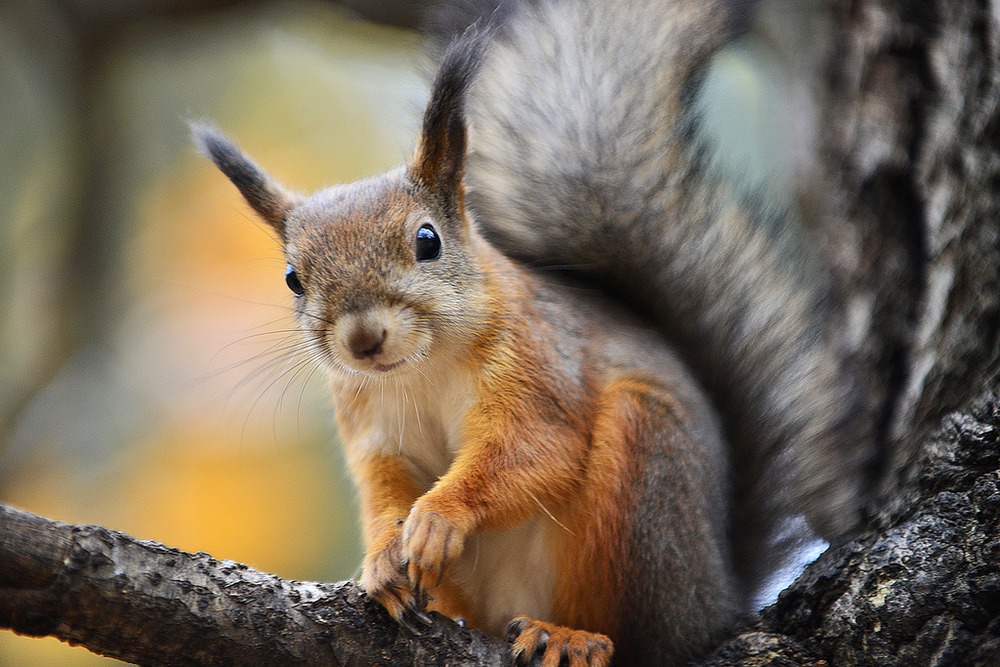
point(365, 343)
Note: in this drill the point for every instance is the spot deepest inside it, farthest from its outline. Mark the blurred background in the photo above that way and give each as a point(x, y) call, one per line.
point(146, 380)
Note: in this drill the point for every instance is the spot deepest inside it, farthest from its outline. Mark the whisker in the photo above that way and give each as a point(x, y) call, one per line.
point(358, 391)
point(545, 509)
point(280, 348)
point(260, 396)
point(402, 416)
point(302, 391)
point(416, 411)
point(203, 290)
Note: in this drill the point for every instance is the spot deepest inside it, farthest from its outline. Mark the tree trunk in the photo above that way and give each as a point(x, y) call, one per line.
point(910, 138)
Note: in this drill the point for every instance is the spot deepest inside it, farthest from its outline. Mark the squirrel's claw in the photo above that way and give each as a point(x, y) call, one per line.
point(557, 645)
point(430, 542)
point(415, 620)
point(396, 598)
point(384, 576)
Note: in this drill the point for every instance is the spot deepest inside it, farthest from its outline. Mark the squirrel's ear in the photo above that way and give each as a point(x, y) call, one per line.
point(439, 163)
point(266, 196)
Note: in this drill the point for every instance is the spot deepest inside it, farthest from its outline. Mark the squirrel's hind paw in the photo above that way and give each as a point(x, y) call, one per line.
point(537, 639)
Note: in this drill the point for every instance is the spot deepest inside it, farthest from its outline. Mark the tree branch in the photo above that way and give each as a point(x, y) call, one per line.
point(143, 602)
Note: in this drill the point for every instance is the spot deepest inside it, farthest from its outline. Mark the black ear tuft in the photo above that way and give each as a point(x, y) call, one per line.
point(443, 22)
point(439, 162)
point(268, 198)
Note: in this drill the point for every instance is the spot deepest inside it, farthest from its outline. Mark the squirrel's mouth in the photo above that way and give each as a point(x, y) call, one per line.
point(385, 368)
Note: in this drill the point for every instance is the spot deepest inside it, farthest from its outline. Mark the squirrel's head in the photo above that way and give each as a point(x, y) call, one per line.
point(385, 271)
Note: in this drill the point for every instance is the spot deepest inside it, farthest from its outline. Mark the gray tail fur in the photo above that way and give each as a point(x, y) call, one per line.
point(584, 158)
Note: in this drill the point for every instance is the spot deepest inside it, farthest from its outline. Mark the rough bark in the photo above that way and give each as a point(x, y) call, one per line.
point(910, 129)
point(922, 589)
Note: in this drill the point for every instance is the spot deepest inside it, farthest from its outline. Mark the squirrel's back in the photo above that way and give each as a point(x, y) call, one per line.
point(585, 157)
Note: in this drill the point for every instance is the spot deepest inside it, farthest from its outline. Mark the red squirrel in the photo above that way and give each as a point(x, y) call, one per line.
point(529, 453)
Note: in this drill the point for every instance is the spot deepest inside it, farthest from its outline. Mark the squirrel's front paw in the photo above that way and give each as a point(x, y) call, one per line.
point(383, 575)
point(431, 540)
point(557, 645)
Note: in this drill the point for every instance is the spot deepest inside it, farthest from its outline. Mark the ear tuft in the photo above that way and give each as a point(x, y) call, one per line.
point(266, 196)
point(439, 162)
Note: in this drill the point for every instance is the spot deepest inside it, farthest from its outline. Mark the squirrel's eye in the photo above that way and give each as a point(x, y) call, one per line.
point(293, 282)
point(428, 244)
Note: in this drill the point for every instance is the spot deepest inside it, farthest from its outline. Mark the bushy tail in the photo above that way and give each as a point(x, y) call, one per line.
point(584, 158)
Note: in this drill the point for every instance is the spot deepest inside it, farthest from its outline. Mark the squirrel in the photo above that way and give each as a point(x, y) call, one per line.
point(594, 458)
